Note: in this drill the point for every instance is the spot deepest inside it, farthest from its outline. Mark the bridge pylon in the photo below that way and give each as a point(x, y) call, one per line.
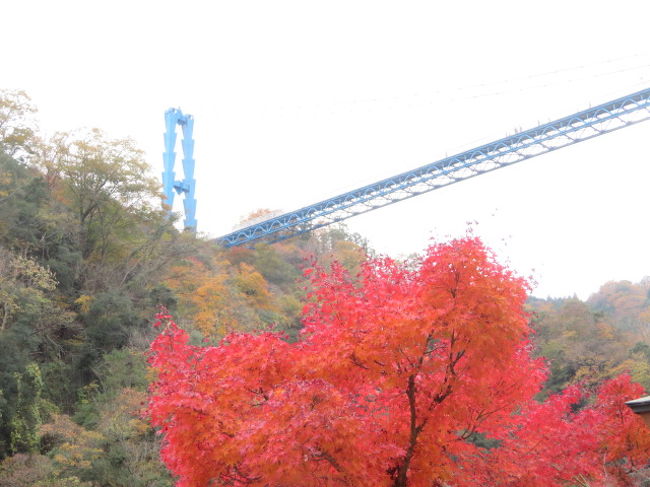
point(186, 186)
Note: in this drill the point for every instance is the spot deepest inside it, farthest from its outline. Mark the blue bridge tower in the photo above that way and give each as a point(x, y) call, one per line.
point(187, 185)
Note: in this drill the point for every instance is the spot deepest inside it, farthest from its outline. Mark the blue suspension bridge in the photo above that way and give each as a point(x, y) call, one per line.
point(587, 124)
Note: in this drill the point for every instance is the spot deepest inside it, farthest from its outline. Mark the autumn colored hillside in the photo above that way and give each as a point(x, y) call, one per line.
point(88, 258)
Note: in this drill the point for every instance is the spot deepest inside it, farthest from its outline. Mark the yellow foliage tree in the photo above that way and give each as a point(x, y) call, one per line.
point(253, 286)
point(76, 448)
point(219, 298)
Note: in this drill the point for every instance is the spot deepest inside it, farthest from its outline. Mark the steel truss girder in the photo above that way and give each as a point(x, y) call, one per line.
point(581, 126)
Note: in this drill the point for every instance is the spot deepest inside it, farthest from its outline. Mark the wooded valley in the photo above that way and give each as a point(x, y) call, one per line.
point(88, 259)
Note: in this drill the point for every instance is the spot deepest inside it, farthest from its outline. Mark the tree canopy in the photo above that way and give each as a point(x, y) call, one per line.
point(409, 377)
point(87, 255)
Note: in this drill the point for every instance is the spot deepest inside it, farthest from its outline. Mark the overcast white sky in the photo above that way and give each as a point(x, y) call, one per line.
point(298, 101)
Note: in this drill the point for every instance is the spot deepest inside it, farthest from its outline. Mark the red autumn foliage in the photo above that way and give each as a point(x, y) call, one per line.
point(408, 377)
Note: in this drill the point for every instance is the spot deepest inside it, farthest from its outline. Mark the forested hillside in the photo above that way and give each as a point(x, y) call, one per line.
point(88, 257)
point(592, 341)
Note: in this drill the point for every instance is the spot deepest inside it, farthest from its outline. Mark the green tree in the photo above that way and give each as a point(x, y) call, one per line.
point(103, 181)
point(17, 126)
point(30, 410)
point(22, 283)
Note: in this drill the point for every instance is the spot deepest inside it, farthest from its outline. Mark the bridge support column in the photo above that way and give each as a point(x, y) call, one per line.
point(187, 185)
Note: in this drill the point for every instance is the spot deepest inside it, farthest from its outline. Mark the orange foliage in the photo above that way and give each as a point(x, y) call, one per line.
point(395, 379)
point(219, 298)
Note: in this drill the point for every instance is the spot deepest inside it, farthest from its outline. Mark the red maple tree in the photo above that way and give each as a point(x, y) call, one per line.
point(406, 377)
